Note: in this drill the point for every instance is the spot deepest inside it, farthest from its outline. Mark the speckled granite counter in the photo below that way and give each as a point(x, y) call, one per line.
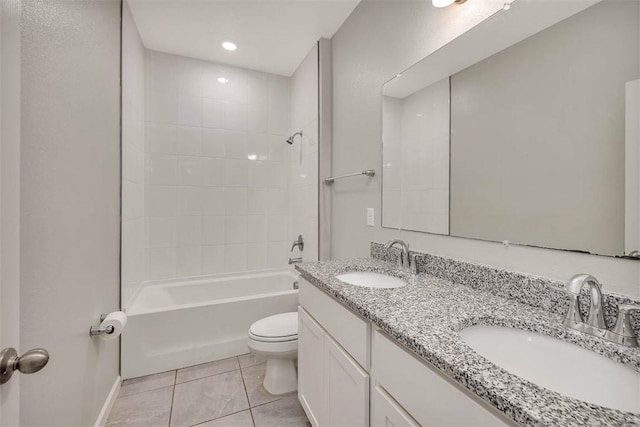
point(426, 315)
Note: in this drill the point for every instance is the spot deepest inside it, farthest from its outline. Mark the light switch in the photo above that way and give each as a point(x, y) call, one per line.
point(370, 217)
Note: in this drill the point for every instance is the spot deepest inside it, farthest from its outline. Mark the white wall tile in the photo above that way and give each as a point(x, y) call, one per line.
point(223, 207)
point(235, 144)
point(256, 228)
point(160, 169)
point(235, 229)
point(257, 201)
point(235, 174)
point(188, 140)
point(189, 201)
point(213, 201)
point(235, 201)
point(213, 230)
point(213, 143)
point(236, 116)
point(278, 201)
point(258, 174)
point(277, 254)
point(256, 256)
point(212, 259)
point(276, 228)
point(190, 110)
point(190, 170)
point(161, 232)
point(188, 231)
point(161, 263)
point(188, 261)
point(214, 172)
point(257, 119)
point(160, 201)
point(235, 258)
point(160, 138)
point(214, 113)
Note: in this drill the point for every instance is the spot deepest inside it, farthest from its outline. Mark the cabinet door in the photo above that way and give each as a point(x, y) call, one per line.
point(347, 388)
point(311, 367)
point(386, 412)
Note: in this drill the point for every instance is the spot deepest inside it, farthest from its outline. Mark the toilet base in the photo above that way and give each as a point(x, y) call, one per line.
point(281, 376)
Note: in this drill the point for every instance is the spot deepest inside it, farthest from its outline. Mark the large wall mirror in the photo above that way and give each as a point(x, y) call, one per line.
point(525, 129)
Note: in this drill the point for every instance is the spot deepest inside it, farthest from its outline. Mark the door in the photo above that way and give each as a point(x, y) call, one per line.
point(9, 199)
point(310, 367)
point(347, 388)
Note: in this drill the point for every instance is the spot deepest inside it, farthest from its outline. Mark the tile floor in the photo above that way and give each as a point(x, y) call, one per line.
point(225, 393)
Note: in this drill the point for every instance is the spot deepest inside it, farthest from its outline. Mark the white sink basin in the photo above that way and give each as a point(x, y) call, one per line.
point(371, 280)
point(557, 365)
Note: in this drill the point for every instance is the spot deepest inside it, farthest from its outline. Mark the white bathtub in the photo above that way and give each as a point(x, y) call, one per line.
point(177, 323)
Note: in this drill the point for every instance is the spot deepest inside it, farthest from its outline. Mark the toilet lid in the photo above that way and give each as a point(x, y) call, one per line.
point(284, 325)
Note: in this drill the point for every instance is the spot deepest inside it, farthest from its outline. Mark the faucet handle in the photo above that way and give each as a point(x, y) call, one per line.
point(413, 262)
point(299, 243)
point(402, 259)
point(622, 332)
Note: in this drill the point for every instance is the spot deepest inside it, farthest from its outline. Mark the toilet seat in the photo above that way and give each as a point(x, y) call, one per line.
point(277, 328)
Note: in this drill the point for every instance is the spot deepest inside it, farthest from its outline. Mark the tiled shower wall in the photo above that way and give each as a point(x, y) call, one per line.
point(133, 221)
point(303, 210)
point(217, 168)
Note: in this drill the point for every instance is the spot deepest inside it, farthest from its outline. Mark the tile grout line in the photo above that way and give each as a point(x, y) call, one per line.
point(244, 384)
point(208, 376)
point(173, 395)
point(218, 418)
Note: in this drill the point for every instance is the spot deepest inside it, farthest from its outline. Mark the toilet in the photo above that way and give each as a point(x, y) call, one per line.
point(276, 338)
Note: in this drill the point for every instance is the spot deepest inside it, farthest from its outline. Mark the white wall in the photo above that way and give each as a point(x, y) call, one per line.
point(216, 168)
point(416, 160)
point(377, 41)
point(303, 209)
point(133, 221)
point(70, 197)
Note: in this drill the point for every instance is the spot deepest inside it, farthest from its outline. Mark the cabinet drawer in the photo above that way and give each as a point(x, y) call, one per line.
point(386, 412)
point(349, 330)
point(431, 398)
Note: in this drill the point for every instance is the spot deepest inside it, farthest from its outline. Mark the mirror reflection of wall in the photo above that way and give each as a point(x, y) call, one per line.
point(537, 135)
point(416, 154)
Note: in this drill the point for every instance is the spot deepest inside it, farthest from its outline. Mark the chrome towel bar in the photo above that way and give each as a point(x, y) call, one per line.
point(368, 172)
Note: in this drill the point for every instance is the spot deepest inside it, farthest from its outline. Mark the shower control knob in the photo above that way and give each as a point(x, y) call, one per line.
point(30, 362)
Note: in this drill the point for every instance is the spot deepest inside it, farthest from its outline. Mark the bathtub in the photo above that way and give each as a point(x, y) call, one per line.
point(177, 323)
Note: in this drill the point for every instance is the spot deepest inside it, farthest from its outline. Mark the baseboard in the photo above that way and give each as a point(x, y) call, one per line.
point(108, 404)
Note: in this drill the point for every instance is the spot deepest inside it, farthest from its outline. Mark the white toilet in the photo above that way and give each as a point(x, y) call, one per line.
point(276, 337)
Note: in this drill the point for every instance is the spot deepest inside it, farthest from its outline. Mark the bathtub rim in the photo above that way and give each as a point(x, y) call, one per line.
point(196, 280)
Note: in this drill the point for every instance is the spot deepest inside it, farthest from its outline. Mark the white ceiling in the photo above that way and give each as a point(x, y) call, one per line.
point(272, 36)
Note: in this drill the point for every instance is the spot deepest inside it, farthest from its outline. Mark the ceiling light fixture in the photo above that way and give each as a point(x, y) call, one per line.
point(252, 157)
point(445, 3)
point(223, 80)
point(229, 45)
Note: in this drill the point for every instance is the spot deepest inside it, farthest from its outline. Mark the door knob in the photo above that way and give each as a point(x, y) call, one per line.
point(30, 362)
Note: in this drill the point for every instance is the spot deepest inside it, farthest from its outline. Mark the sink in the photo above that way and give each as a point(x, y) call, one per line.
point(558, 365)
point(371, 280)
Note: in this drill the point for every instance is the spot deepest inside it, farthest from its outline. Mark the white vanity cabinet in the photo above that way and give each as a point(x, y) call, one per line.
point(333, 387)
point(351, 374)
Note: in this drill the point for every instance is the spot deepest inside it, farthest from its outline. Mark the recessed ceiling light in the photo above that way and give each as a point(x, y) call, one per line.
point(222, 80)
point(445, 3)
point(252, 156)
point(229, 45)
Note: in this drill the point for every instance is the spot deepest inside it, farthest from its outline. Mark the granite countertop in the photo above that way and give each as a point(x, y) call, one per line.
point(426, 315)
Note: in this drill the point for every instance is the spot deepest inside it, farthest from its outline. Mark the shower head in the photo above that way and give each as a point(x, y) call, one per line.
point(292, 137)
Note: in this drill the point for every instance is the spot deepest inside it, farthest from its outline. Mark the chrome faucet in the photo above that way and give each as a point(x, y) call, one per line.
point(594, 324)
point(406, 261)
